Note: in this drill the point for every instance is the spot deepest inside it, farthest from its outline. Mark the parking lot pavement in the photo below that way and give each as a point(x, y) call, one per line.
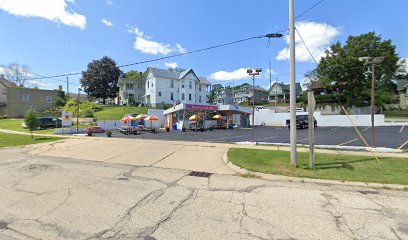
point(50, 197)
point(390, 137)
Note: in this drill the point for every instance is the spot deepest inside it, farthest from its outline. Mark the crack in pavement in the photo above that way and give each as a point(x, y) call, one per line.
point(182, 147)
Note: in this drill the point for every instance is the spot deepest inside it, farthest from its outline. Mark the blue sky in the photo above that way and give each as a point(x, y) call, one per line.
point(54, 37)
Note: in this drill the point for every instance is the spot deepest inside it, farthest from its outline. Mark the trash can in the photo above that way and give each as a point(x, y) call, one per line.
point(174, 126)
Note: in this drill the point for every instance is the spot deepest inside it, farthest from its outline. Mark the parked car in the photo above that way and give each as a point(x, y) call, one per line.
point(302, 121)
point(47, 122)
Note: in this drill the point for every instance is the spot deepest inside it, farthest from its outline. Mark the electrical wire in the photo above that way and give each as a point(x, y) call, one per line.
point(338, 100)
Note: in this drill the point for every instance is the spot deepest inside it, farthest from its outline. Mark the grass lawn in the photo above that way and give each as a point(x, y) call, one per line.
point(396, 114)
point(328, 166)
point(15, 125)
point(117, 112)
point(8, 140)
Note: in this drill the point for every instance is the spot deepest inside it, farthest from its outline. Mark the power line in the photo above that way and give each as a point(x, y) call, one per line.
point(271, 35)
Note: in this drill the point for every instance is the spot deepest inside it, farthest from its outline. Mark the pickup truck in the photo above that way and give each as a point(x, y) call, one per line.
point(302, 121)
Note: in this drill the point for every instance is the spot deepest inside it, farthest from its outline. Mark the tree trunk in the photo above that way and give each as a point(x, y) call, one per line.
point(32, 136)
point(103, 101)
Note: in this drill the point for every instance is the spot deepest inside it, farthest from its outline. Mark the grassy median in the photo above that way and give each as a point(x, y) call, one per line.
point(9, 140)
point(328, 166)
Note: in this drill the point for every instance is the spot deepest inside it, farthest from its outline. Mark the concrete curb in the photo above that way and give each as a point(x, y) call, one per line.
point(334, 147)
point(282, 178)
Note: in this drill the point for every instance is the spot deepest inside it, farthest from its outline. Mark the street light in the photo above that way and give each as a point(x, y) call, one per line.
point(253, 73)
point(372, 61)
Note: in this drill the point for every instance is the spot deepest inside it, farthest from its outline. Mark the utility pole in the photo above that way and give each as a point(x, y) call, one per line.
point(372, 107)
point(372, 61)
point(276, 95)
point(67, 87)
point(311, 105)
point(253, 73)
point(270, 77)
point(293, 151)
point(77, 122)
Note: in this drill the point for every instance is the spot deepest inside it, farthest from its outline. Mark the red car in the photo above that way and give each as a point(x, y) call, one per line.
point(96, 129)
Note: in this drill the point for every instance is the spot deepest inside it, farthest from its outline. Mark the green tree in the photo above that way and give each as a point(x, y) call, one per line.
point(132, 74)
point(215, 90)
point(32, 122)
point(341, 68)
point(100, 80)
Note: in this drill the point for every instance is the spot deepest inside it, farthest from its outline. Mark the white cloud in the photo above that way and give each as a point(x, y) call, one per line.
point(52, 10)
point(109, 2)
point(171, 64)
point(145, 45)
point(317, 36)
point(107, 22)
point(234, 75)
point(39, 84)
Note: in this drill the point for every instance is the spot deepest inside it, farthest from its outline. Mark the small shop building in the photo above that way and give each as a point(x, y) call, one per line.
point(179, 116)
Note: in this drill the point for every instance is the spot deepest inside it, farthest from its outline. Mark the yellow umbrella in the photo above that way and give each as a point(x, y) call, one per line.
point(127, 118)
point(140, 116)
point(217, 116)
point(151, 118)
point(194, 117)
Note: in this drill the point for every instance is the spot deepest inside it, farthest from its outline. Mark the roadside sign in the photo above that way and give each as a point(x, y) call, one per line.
point(66, 119)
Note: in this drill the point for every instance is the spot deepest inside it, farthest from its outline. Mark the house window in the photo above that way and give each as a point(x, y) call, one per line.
point(182, 96)
point(26, 98)
point(159, 94)
point(129, 86)
point(199, 88)
point(48, 99)
point(182, 84)
point(171, 96)
point(147, 84)
point(152, 84)
point(172, 84)
point(139, 85)
point(190, 84)
point(189, 97)
point(199, 99)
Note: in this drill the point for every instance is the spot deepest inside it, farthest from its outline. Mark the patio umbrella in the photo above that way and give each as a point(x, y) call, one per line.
point(140, 116)
point(151, 119)
point(218, 116)
point(194, 117)
point(127, 118)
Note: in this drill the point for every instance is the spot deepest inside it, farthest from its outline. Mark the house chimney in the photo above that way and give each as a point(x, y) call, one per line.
point(59, 87)
point(141, 74)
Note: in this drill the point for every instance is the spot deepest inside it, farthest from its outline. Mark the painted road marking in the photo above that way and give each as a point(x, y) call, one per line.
point(365, 129)
point(341, 144)
point(259, 139)
point(402, 128)
point(403, 145)
point(302, 140)
point(214, 139)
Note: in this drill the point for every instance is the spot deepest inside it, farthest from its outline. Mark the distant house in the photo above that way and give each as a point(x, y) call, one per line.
point(318, 88)
point(402, 88)
point(131, 91)
point(246, 92)
point(159, 86)
point(280, 92)
point(82, 97)
point(225, 97)
point(15, 101)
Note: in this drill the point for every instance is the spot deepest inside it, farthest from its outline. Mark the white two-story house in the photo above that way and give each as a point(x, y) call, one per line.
point(173, 87)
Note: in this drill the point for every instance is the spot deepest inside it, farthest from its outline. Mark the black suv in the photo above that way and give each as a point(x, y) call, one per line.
point(47, 122)
point(302, 121)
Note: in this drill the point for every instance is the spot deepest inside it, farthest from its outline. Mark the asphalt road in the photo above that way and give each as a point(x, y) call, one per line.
point(44, 196)
point(390, 137)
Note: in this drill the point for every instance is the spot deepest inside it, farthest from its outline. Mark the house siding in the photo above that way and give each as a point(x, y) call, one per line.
point(16, 107)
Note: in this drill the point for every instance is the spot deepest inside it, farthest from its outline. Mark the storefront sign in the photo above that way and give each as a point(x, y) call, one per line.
point(201, 107)
point(66, 119)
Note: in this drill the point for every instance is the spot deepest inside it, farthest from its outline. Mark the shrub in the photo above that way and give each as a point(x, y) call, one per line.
point(32, 122)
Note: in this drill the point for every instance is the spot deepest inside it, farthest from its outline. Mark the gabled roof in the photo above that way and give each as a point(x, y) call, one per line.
point(249, 88)
point(286, 87)
point(169, 74)
point(402, 84)
point(7, 83)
